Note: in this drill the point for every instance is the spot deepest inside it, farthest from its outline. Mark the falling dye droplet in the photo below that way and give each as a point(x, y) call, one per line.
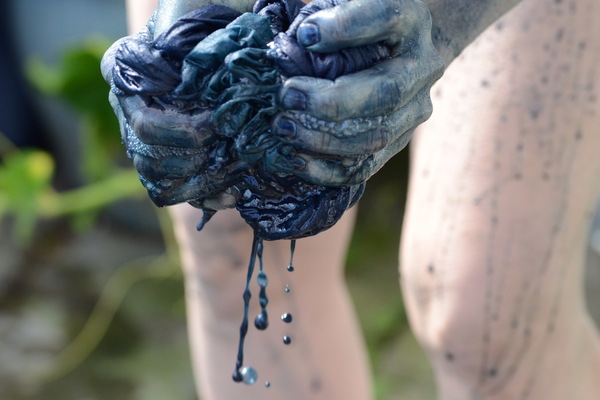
point(287, 289)
point(249, 375)
point(287, 340)
point(238, 375)
point(261, 322)
point(262, 279)
point(290, 267)
point(286, 317)
point(267, 384)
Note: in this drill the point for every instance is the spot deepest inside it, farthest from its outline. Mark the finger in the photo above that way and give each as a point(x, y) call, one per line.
point(166, 192)
point(361, 22)
point(108, 62)
point(167, 127)
point(350, 170)
point(348, 137)
point(324, 172)
point(379, 90)
point(176, 167)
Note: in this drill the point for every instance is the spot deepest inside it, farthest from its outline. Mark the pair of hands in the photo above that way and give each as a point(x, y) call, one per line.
point(342, 131)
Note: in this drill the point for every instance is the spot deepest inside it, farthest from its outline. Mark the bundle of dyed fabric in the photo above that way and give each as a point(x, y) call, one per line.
point(215, 75)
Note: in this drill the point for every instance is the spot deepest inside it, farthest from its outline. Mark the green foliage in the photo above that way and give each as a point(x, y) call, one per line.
point(77, 80)
point(26, 191)
point(25, 177)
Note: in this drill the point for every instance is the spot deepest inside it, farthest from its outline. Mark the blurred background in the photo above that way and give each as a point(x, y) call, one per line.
point(91, 297)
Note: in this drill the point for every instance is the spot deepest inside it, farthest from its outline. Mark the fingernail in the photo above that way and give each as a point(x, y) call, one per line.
point(285, 128)
point(308, 34)
point(298, 164)
point(294, 100)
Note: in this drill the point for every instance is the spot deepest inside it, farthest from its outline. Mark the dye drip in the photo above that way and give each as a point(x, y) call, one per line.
point(262, 320)
point(287, 289)
point(292, 249)
point(239, 374)
point(286, 317)
point(249, 375)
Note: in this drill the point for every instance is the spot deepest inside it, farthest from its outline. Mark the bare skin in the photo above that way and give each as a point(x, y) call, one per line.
point(504, 180)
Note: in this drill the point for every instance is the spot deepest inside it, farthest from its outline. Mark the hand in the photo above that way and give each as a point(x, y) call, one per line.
point(345, 130)
point(173, 147)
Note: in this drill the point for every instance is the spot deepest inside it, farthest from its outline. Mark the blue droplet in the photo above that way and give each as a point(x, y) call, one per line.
point(286, 317)
point(268, 384)
point(287, 289)
point(262, 321)
point(287, 340)
point(290, 267)
point(237, 377)
point(262, 279)
point(249, 375)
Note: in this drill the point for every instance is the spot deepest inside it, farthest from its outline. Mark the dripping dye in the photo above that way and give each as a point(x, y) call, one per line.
point(248, 374)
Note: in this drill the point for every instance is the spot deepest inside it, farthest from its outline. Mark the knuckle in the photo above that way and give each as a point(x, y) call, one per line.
point(390, 93)
point(328, 104)
point(425, 106)
point(421, 13)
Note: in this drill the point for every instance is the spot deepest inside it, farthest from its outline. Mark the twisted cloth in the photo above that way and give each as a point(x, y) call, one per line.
point(225, 69)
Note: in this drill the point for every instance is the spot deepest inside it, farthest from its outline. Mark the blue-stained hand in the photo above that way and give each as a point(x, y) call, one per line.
point(170, 139)
point(264, 112)
point(195, 105)
point(345, 130)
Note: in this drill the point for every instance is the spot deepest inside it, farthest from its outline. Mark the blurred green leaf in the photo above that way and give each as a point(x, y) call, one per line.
point(78, 81)
point(24, 178)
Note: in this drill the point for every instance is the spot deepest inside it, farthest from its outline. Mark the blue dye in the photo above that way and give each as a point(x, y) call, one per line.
point(249, 375)
point(286, 317)
point(262, 320)
point(237, 374)
point(292, 249)
point(287, 340)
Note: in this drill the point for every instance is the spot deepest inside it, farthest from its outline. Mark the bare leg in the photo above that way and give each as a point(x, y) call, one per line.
point(504, 180)
point(326, 359)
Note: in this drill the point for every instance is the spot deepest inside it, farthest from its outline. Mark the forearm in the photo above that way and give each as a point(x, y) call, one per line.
point(456, 23)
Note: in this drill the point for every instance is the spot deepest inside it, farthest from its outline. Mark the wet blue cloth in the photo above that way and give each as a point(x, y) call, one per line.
point(233, 65)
